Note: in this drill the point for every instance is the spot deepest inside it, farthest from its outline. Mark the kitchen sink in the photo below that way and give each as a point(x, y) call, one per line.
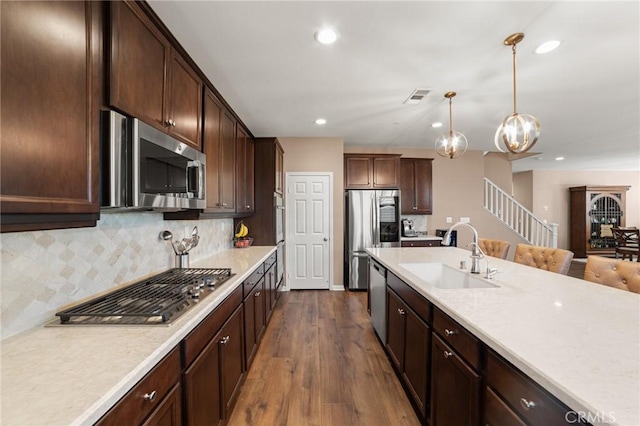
point(445, 277)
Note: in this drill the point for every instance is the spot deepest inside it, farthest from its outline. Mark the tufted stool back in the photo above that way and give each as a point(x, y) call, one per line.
point(549, 259)
point(621, 274)
point(495, 248)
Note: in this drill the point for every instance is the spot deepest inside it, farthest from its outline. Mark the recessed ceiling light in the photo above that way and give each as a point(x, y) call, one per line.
point(547, 47)
point(436, 125)
point(321, 121)
point(559, 158)
point(326, 36)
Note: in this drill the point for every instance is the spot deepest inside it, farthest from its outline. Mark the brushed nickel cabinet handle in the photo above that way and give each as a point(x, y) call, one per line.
point(150, 396)
point(247, 206)
point(257, 294)
point(527, 405)
point(447, 354)
point(450, 332)
point(401, 311)
point(225, 340)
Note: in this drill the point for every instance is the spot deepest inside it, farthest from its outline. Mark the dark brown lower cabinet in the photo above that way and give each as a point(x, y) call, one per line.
point(169, 412)
point(455, 388)
point(202, 386)
point(270, 281)
point(231, 359)
point(408, 346)
point(254, 321)
point(497, 412)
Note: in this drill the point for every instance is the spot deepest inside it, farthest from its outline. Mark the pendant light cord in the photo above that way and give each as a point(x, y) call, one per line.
point(450, 120)
point(513, 48)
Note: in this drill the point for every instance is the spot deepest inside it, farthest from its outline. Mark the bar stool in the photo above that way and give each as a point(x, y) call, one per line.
point(546, 258)
point(494, 248)
point(615, 273)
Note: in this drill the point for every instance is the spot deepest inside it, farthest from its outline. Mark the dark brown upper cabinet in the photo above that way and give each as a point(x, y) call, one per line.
point(148, 77)
point(368, 171)
point(245, 153)
point(415, 185)
point(220, 148)
point(51, 95)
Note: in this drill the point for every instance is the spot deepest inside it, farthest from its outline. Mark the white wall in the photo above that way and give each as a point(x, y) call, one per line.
point(42, 271)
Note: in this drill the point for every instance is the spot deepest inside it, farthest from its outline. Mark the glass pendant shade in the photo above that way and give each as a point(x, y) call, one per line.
point(451, 144)
point(517, 132)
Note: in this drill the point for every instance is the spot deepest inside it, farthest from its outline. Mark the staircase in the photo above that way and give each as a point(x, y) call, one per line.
point(518, 218)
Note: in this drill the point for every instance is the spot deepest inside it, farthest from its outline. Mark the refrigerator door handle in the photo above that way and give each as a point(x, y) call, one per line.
point(375, 225)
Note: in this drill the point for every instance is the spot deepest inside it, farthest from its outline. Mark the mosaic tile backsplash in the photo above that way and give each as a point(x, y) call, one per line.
point(44, 270)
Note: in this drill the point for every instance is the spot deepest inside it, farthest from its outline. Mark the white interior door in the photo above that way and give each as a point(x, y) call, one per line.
point(309, 230)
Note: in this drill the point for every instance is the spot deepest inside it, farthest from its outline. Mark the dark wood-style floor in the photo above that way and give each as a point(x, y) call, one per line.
point(320, 364)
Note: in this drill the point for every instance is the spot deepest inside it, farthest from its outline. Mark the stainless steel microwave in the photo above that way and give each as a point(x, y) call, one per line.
point(146, 169)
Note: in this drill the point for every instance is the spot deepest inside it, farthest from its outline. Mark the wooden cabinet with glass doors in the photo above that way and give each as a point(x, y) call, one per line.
point(594, 212)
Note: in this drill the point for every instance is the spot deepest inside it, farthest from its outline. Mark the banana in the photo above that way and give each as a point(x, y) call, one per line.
point(242, 230)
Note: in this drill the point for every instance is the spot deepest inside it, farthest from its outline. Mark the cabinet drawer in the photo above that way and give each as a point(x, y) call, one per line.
point(196, 341)
point(415, 301)
point(420, 243)
point(147, 394)
point(271, 260)
point(497, 413)
point(253, 279)
point(525, 397)
point(465, 343)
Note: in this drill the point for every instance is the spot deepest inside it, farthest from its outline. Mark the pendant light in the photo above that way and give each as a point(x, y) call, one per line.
point(451, 144)
point(518, 132)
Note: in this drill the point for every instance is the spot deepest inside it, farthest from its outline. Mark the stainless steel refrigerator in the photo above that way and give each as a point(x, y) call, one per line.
point(372, 219)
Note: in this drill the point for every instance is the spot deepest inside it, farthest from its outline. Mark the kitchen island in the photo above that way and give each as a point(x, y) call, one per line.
point(72, 375)
point(578, 340)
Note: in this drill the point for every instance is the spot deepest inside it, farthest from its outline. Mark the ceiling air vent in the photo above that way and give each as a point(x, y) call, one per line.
point(416, 96)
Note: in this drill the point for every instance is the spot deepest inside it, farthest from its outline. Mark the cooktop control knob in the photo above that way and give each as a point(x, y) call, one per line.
point(209, 281)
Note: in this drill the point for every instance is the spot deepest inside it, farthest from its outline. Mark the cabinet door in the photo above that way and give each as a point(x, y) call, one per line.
point(357, 172)
point(423, 193)
point(396, 312)
point(279, 169)
point(386, 172)
point(231, 359)
point(51, 94)
point(169, 412)
point(202, 387)
point(138, 66)
point(407, 186)
point(227, 163)
point(416, 358)
point(250, 339)
point(245, 173)
point(185, 103)
point(455, 388)
point(212, 145)
point(259, 313)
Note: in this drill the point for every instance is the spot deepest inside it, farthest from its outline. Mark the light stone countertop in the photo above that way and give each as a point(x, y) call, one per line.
point(577, 339)
point(72, 375)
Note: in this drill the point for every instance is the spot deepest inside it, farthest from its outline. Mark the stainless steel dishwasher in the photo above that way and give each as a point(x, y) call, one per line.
point(378, 298)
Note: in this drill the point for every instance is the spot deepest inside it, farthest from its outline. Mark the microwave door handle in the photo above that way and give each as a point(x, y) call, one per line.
point(134, 190)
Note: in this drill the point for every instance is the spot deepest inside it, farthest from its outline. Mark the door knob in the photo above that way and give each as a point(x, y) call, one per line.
point(326, 239)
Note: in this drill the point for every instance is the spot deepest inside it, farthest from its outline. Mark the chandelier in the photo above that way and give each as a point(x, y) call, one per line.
point(451, 144)
point(518, 132)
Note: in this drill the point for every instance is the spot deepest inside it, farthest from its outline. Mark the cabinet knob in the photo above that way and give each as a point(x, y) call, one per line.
point(225, 340)
point(415, 208)
point(247, 206)
point(150, 396)
point(257, 294)
point(527, 405)
point(401, 311)
point(447, 354)
point(224, 204)
point(450, 332)
point(170, 123)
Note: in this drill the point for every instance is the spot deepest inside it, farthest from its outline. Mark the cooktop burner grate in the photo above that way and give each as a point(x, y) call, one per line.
point(155, 300)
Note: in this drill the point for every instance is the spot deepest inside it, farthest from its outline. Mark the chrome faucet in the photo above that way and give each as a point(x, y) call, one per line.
point(476, 253)
point(490, 271)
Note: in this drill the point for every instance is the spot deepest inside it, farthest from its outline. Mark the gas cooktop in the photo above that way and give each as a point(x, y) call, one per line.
point(156, 300)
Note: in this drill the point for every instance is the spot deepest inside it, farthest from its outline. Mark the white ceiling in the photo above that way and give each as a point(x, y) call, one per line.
point(262, 57)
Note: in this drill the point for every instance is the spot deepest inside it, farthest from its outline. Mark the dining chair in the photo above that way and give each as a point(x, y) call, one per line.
point(494, 248)
point(626, 241)
point(613, 273)
point(546, 258)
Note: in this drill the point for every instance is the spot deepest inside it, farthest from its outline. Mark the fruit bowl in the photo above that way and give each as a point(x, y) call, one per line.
point(242, 242)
